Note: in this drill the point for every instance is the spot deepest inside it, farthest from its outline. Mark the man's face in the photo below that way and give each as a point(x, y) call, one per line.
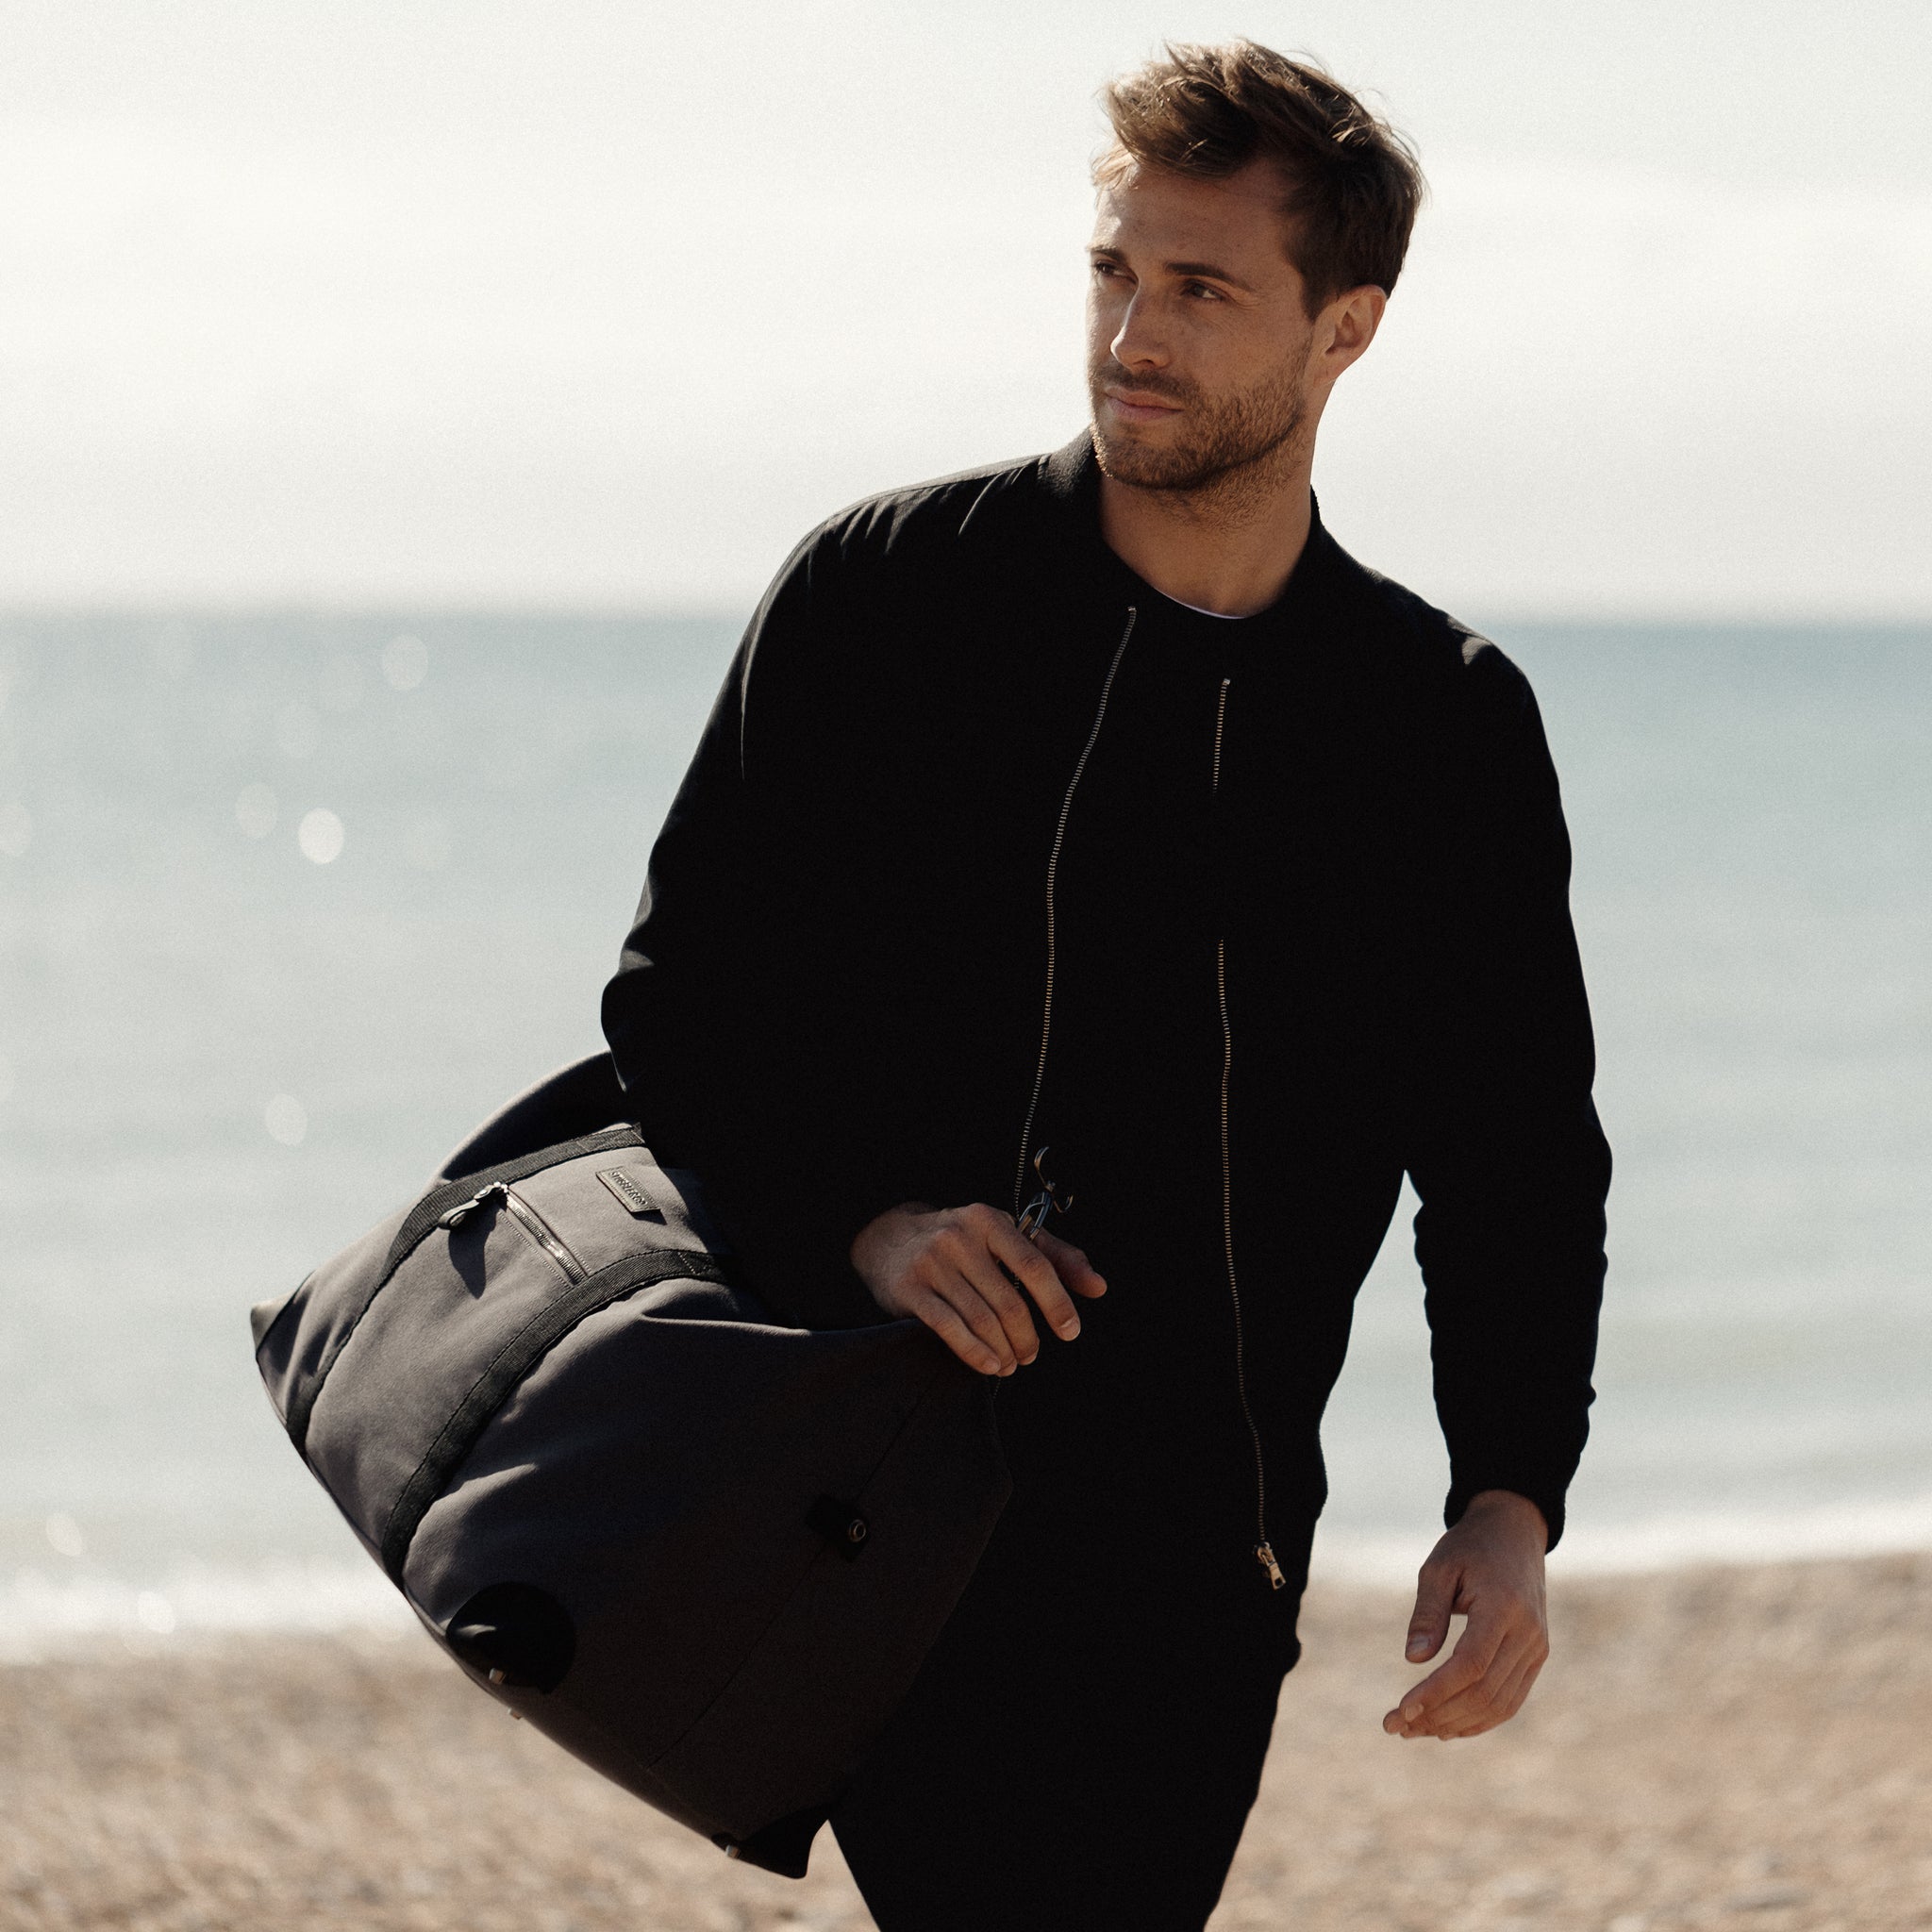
point(1198, 342)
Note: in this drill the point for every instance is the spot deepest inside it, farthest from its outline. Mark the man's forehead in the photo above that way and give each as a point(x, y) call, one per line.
point(1139, 206)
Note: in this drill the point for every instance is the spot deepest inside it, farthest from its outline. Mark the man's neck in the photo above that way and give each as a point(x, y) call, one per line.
point(1230, 548)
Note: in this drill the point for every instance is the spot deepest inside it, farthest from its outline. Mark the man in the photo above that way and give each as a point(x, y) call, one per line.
point(1091, 837)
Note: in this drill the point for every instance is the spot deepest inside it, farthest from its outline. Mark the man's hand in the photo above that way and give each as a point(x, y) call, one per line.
point(955, 1269)
point(1489, 1568)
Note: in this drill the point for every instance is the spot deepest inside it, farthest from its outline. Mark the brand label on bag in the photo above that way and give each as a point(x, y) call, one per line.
point(628, 1185)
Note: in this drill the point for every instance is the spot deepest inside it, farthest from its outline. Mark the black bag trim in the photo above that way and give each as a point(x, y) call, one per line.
point(513, 1361)
point(420, 1219)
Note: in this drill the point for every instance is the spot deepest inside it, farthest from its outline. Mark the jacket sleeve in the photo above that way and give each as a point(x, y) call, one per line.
point(696, 1014)
point(1507, 1156)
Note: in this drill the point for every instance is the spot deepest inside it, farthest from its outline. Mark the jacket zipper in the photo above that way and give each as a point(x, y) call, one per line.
point(1052, 866)
point(1264, 1552)
point(526, 1218)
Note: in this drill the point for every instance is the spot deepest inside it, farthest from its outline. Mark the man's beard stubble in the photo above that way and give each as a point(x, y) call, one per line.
point(1226, 459)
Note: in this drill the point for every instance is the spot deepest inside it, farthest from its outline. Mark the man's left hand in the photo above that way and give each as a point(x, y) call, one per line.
point(1489, 1568)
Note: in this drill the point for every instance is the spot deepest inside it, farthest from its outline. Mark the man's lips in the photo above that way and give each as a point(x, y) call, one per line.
point(1139, 406)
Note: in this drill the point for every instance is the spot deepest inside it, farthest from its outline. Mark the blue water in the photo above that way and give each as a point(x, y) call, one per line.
point(1752, 813)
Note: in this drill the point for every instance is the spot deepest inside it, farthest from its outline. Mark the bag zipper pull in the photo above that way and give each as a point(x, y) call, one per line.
point(463, 1209)
point(1265, 1556)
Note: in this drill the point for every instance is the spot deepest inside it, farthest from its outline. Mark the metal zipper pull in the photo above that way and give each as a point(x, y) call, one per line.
point(1265, 1556)
point(526, 1217)
point(463, 1209)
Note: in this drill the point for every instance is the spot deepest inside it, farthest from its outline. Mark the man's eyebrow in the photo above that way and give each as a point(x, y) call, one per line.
point(1207, 271)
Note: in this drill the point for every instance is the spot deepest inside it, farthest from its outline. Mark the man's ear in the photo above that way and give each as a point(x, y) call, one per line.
point(1346, 327)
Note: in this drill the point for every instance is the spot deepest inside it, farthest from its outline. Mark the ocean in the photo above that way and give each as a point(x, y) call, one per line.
point(287, 903)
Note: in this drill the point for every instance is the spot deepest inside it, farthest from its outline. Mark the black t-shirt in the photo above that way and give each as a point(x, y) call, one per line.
point(1130, 1108)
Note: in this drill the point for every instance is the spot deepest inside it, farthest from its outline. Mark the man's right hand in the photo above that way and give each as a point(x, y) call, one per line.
point(954, 1268)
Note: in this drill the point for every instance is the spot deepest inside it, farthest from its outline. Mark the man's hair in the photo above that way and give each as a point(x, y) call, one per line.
point(1352, 185)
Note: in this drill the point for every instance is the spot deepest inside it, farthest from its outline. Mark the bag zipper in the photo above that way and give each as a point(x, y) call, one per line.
point(526, 1218)
point(1052, 866)
point(1264, 1552)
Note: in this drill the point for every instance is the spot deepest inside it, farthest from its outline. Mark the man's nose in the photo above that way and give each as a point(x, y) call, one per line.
point(1138, 341)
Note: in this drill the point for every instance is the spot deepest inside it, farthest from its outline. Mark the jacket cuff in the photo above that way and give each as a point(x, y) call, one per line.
point(798, 1255)
point(1549, 1499)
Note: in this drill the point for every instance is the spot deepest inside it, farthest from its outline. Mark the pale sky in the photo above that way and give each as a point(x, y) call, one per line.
point(551, 302)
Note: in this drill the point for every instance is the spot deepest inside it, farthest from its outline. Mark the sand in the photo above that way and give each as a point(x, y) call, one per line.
point(1743, 1747)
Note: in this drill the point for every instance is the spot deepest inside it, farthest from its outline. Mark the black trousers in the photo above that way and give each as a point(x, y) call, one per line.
point(1082, 1748)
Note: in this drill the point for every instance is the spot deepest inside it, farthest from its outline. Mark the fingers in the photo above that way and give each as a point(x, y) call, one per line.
point(976, 1263)
point(1070, 1264)
point(955, 1263)
point(1504, 1702)
point(1020, 1261)
point(1492, 1701)
point(1466, 1667)
point(1435, 1597)
point(1484, 1682)
point(987, 1252)
point(1488, 1566)
point(1484, 1703)
point(952, 1328)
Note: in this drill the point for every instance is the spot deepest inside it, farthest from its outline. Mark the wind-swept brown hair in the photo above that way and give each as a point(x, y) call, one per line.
point(1351, 185)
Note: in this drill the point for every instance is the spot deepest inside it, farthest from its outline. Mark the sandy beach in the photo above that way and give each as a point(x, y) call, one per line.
point(1738, 1747)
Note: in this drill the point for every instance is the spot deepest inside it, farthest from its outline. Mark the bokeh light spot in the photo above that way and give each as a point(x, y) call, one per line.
point(286, 1120)
point(320, 836)
point(256, 811)
point(405, 662)
point(63, 1533)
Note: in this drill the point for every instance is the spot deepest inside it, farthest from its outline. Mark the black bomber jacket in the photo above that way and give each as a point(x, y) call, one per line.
point(832, 998)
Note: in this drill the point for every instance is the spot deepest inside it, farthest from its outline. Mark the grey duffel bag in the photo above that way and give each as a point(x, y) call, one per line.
point(704, 1552)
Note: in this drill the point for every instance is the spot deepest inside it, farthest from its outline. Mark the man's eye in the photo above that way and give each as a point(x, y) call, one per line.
point(1202, 290)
